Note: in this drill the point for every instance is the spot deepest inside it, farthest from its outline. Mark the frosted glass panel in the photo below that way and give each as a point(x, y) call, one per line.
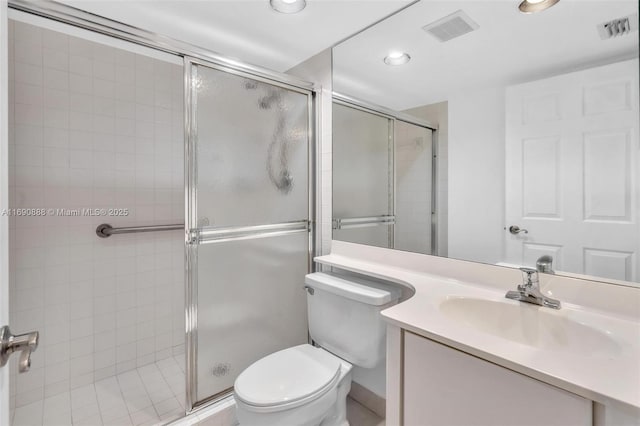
point(252, 155)
point(413, 165)
point(377, 235)
point(251, 303)
point(250, 145)
point(362, 174)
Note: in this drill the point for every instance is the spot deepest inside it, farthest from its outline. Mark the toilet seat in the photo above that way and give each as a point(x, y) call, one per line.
point(288, 378)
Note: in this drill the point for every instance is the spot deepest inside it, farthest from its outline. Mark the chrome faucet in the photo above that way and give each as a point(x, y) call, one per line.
point(529, 291)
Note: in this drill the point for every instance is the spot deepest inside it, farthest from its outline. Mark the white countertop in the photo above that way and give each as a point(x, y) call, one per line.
point(607, 377)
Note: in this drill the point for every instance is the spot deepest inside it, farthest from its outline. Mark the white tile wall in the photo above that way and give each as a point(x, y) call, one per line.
point(439, 114)
point(92, 126)
point(413, 195)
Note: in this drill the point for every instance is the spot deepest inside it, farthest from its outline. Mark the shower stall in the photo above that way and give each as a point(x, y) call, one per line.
point(388, 200)
point(163, 208)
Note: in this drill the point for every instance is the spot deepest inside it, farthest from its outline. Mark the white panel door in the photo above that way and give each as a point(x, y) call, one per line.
point(573, 155)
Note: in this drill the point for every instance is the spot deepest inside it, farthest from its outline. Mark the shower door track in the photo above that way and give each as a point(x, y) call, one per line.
point(365, 106)
point(81, 19)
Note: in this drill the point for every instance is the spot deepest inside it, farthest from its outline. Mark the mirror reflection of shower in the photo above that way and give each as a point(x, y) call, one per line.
point(281, 141)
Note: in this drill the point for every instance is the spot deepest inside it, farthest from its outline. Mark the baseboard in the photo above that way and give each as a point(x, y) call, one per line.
point(364, 396)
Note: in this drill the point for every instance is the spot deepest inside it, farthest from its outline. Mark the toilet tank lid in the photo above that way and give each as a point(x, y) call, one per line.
point(359, 289)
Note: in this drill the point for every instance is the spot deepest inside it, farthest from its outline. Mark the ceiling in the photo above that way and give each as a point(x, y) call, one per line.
point(248, 30)
point(508, 48)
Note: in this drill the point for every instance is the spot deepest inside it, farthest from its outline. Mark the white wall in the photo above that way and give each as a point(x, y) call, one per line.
point(93, 127)
point(318, 69)
point(476, 175)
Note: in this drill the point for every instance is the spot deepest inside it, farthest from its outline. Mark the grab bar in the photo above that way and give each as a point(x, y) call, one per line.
point(105, 230)
point(358, 222)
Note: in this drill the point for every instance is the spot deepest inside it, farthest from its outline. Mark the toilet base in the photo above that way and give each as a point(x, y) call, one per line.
point(338, 414)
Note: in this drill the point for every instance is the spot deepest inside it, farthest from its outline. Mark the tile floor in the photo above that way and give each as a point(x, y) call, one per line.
point(150, 395)
point(359, 415)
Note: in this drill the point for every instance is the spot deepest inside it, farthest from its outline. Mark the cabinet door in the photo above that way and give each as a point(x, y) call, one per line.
point(443, 386)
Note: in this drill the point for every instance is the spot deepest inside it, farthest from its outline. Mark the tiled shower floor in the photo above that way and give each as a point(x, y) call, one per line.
point(149, 395)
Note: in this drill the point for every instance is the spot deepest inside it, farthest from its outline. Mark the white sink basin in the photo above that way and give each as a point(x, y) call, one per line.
point(530, 325)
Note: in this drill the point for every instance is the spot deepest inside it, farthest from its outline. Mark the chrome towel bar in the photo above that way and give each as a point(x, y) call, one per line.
point(360, 222)
point(105, 230)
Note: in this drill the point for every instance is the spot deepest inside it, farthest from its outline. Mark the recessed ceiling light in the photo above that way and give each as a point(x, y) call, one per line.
point(397, 58)
point(288, 6)
point(533, 6)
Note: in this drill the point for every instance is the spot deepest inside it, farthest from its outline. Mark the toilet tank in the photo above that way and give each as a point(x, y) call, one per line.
point(344, 316)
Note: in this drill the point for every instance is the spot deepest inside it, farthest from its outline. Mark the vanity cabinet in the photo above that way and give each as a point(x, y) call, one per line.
point(444, 386)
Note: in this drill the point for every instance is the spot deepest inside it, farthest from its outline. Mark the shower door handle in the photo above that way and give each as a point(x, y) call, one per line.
point(23, 343)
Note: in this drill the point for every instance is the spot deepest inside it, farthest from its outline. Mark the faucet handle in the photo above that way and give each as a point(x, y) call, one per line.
point(529, 277)
point(23, 343)
point(545, 264)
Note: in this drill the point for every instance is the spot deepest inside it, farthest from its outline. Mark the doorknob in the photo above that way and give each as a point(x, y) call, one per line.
point(23, 343)
point(515, 230)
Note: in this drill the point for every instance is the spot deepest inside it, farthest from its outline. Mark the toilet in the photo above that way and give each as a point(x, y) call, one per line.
point(307, 385)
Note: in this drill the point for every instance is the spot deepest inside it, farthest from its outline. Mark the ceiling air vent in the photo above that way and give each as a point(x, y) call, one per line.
point(451, 26)
point(618, 27)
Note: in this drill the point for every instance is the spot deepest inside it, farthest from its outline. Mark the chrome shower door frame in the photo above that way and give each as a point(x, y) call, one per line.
point(194, 237)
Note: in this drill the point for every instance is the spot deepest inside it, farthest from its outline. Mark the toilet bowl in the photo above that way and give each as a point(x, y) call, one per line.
point(307, 385)
point(296, 386)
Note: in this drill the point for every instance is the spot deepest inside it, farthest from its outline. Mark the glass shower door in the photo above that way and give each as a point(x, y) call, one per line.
point(248, 244)
point(362, 176)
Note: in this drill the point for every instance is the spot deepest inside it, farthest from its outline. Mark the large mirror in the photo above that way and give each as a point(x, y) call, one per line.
point(473, 130)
